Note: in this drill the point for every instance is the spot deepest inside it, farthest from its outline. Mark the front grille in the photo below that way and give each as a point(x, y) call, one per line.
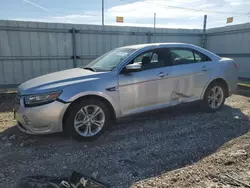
point(17, 98)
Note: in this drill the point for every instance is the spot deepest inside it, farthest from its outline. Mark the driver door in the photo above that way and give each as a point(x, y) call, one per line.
point(140, 91)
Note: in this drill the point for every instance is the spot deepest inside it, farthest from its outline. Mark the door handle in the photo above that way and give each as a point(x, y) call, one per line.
point(204, 68)
point(162, 74)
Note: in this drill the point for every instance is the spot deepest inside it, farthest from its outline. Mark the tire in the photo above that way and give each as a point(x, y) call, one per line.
point(76, 117)
point(207, 101)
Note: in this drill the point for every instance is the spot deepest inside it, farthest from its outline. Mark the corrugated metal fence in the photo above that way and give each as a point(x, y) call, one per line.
point(31, 49)
point(233, 42)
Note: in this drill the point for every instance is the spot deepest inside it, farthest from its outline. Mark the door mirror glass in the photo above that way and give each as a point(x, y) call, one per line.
point(133, 67)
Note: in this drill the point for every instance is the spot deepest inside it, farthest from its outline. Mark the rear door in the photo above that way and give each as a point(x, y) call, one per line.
point(191, 71)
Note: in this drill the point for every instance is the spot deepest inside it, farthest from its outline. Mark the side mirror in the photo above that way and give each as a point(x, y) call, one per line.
point(133, 67)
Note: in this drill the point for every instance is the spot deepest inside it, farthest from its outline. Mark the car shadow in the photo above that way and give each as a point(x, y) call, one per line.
point(143, 146)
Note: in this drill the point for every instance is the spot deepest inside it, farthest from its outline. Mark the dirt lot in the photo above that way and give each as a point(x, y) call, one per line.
point(178, 147)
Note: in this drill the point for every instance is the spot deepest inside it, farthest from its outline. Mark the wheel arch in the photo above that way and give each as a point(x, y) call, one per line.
point(87, 97)
point(217, 80)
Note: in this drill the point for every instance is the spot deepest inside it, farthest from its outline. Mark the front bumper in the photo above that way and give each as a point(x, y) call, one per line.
point(42, 119)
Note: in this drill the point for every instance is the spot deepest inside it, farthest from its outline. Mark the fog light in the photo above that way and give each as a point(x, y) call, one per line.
point(26, 120)
point(41, 128)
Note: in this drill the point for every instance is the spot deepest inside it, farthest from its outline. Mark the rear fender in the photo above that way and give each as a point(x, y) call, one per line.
point(209, 82)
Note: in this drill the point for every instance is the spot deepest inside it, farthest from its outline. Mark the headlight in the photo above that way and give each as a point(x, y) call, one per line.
point(39, 99)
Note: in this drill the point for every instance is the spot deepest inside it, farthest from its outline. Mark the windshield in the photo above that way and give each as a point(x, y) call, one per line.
point(110, 60)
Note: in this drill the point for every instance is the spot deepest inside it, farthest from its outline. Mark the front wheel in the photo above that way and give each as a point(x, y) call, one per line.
point(214, 97)
point(86, 119)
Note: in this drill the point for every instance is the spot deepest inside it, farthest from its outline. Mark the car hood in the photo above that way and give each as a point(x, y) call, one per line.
point(57, 81)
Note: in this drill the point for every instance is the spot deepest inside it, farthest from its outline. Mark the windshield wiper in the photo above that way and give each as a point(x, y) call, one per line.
point(89, 68)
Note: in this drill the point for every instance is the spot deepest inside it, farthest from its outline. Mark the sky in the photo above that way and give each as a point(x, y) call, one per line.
point(169, 13)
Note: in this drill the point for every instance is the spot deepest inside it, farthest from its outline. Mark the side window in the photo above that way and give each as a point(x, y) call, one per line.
point(140, 57)
point(154, 58)
point(182, 56)
point(150, 60)
point(199, 57)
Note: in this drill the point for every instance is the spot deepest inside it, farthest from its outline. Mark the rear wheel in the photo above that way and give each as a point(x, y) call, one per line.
point(214, 97)
point(87, 119)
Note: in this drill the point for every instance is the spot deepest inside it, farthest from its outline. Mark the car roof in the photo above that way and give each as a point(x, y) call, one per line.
point(150, 46)
point(139, 46)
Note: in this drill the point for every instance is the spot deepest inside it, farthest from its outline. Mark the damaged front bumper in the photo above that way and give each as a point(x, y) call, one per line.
point(42, 119)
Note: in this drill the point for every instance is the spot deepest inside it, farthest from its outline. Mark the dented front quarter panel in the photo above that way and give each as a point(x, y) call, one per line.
point(97, 87)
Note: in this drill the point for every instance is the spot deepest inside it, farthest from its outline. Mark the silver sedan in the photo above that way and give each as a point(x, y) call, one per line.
point(84, 101)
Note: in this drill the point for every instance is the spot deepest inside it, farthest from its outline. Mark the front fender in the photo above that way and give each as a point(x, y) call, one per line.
point(112, 100)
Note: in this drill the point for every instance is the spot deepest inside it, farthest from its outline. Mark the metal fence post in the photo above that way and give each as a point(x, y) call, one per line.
point(149, 34)
point(203, 42)
point(73, 31)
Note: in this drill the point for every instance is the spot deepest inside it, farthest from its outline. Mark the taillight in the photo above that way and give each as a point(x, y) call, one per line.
point(236, 66)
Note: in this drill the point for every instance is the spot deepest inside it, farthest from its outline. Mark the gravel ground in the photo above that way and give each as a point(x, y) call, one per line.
point(228, 167)
point(138, 151)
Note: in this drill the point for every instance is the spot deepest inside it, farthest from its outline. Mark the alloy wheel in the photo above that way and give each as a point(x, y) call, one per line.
point(89, 120)
point(215, 97)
